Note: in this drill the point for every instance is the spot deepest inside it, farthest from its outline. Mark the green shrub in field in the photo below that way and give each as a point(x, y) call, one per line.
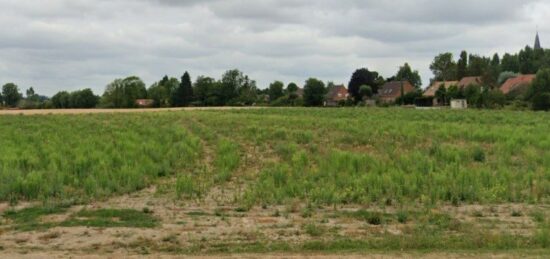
point(402, 217)
point(478, 154)
point(538, 216)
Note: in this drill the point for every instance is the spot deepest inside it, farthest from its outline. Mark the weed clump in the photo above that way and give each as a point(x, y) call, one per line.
point(479, 155)
point(538, 216)
point(402, 217)
point(516, 213)
point(314, 230)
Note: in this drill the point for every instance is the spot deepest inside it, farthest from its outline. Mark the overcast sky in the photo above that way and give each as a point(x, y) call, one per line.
point(56, 45)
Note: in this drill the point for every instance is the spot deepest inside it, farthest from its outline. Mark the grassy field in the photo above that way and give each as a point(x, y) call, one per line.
point(296, 179)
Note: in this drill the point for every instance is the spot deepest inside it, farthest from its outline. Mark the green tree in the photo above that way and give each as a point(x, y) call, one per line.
point(83, 99)
point(123, 93)
point(61, 100)
point(230, 84)
point(314, 92)
point(292, 88)
point(11, 94)
point(490, 77)
point(292, 92)
point(510, 63)
point(361, 77)
point(32, 100)
point(441, 95)
point(163, 92)
point(444, 67)
point(473, 95)
point(247, 92)
point(365, 91)
point(462, 65)
point(183, 94)
point(454, 93)
point(405, 73)
point(494, 98)
point(157, 92)
point(477, 65)
point(408, 98)
point(31, 95)
point(541, 84)
point(540, 90)
point(527, 61)
point(206, 91)
point(276, 90)
point(541, 102)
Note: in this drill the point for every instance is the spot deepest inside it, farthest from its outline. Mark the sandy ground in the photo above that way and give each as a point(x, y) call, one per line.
point(90, 111)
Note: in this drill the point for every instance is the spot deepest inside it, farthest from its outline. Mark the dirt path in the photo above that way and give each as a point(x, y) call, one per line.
point(92, 111)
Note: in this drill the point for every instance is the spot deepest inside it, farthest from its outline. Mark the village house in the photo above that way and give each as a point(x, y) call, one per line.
point(390, 91)
point(336, 95)
point(470, 80)
point(299, 92)
point(517, 83)
point(432, 89)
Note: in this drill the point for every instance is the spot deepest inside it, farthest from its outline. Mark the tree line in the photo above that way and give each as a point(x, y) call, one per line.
point(234, 88)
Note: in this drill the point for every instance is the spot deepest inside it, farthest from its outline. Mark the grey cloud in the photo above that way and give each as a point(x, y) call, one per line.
point(68, 44)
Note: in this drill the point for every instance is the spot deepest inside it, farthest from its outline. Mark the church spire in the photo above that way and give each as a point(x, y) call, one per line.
point(537, 42)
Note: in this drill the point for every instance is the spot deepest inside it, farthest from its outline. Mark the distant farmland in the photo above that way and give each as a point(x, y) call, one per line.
point(263, 180)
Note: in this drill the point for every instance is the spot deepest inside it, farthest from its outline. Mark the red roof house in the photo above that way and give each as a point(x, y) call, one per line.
point(431, 90)
point(517, 83)
point(336, 95)
point(470, 80)
point(390, 91)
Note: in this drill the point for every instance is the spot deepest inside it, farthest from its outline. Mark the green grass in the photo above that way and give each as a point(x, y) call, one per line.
point(110, 218)
point(89, 156)
point(30, 218)
point(322, 156)
point(325, 156)
point(376, 155)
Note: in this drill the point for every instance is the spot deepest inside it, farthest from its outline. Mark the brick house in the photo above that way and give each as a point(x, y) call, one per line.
point(517, 83)
point(336, 95)
point(469, 80)
point(390, 91)
point(432, 89)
